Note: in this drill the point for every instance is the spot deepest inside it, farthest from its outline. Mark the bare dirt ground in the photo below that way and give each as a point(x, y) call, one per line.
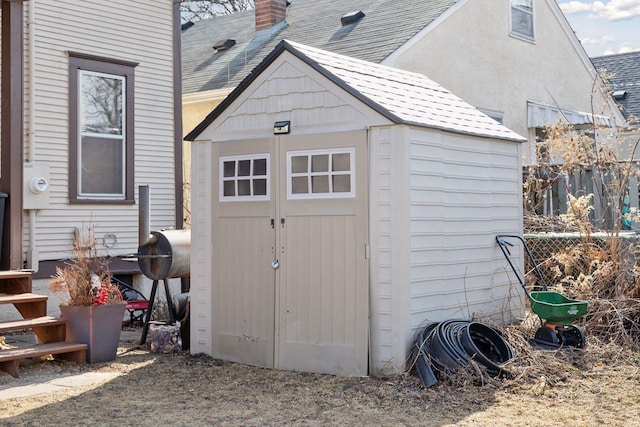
point(599, 386)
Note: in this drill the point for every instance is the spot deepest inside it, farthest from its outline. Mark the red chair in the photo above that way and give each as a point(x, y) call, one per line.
point(137, 303)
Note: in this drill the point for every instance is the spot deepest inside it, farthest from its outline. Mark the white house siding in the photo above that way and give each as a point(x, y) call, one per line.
point(131, 30)
point(486, 61)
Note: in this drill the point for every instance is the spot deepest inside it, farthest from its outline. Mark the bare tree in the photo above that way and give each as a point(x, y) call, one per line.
point(194, 10)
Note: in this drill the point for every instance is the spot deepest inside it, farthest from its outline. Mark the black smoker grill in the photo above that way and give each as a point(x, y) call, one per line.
point(165, 255)
point(162, 255)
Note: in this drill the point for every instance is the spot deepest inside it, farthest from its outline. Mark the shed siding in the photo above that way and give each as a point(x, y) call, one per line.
point(380, 240)
point(389, 248)
point(201, 248)
point(463, 191)
point(114, 29)
point(288, 90)
point(437, 202)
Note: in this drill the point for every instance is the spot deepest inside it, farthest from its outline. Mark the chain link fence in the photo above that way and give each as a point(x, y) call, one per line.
point(544, 246)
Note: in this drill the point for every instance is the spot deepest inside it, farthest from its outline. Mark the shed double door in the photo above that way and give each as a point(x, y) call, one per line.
point(290, 271)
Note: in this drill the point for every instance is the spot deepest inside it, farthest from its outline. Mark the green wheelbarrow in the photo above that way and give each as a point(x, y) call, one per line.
point(556, 312)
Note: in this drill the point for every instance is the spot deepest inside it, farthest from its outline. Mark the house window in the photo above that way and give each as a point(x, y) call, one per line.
point(321, 174)
point(495, 115)
point(522, 19)
point(244, 178)
point(101, 129)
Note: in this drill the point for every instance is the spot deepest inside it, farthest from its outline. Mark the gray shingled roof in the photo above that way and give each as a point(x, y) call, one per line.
point(624, 71)
point(401, 96)
point(387, 25)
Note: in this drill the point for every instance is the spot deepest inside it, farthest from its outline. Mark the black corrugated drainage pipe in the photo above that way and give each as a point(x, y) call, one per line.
point(444, 347)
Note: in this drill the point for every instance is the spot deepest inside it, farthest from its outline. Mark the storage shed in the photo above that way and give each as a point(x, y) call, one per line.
point(338, 205)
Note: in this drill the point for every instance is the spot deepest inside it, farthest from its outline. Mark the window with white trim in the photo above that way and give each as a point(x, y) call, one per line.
point(522, 19)
point(321, 174)
point(244, 178)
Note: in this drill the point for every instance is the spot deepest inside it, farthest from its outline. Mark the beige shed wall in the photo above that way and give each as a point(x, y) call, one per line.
point(202, 154)
point(463, 192)
point(437, 202)
point(472, 54)
point(131, 30)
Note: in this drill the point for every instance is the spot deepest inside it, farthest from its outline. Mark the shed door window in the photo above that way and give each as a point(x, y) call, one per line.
point(244, 178)
point(321, 174)
point(522, 19)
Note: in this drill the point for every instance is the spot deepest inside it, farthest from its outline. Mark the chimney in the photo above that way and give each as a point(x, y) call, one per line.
point(270, 17)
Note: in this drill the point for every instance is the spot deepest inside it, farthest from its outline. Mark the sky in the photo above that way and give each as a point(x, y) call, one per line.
point(605, 27)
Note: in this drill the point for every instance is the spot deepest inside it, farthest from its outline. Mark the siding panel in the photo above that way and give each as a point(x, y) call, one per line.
point(115, 29)
point(463, 191)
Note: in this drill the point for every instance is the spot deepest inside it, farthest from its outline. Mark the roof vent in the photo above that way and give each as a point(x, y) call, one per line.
point(619, 95)
point(224, 44)
point(351, 18)
point(186, 26)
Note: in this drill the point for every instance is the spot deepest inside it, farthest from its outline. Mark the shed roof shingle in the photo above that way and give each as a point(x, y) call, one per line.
point(387, 25)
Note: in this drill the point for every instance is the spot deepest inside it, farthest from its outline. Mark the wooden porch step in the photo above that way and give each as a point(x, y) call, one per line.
point(10, 359)
point(38, 322)
point(21, 298)
point(15, 281)
point(47, 329)
point(29, 305)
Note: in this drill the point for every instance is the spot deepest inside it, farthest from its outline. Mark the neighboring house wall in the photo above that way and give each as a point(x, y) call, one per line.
point(477, 59)
point(196, 106)
point(124, 30)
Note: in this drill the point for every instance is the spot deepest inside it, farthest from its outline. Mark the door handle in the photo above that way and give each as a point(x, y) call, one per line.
point(275, 264)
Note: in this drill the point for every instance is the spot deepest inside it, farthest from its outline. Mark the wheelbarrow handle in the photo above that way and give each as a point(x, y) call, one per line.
point(505, 251)
point(504, 242)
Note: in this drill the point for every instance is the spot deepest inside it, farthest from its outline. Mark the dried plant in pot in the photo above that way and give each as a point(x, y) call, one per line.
point(91, 305)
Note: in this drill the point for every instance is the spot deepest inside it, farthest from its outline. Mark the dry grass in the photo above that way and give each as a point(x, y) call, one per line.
point(608, 278)
point(597, 386)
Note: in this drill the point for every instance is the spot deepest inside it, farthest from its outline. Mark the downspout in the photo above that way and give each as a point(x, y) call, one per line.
point(32, 251)
point(31, 144)
point(177, 117)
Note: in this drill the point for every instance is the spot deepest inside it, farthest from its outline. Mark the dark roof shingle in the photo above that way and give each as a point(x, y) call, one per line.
point(387, 25)
point(623, 74)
